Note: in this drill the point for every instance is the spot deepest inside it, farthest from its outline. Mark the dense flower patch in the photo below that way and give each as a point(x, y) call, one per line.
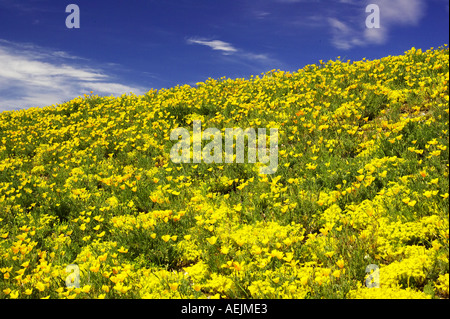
point(362, 179)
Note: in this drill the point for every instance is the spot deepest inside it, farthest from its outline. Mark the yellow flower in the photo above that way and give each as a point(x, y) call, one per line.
point(336, 273)
point(86, 288)
point(121, 288)
point(326, 272)
point(103, 257)
point(412, 203)
point(434, 181)
point(166, 238)
point(238, 266)
point(14, 294)
point(304, 281)
point(329, 254)
point(197, 287)
point(101, 234)
point(40, 286)
point(435, 153)
point(276, 253)
point(319, 280)
point(112, 201)
point(340, 263)
point(174, 286)
point(427, 194)
point(122, 250)
point(262, 196)
point(288, 257)
point(95, 269)
point(20, 271)
point(212, 240)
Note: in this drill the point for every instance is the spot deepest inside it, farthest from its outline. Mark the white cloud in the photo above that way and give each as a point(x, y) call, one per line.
point(227, 48)
point(376, 36)
point(264, 58)
point(406, 12)
point(35, 76)
point(255, 61)
point(259, 14)
point(344, 36)
point(353, 32)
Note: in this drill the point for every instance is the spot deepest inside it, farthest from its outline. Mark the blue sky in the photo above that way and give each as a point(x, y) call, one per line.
point(138, 45)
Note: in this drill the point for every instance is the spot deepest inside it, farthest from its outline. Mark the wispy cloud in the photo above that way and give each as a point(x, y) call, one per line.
point(405, 12)
point(344, 36)
point(237, 55)
point(34, 76)
point(218, 45)
point(352, 32)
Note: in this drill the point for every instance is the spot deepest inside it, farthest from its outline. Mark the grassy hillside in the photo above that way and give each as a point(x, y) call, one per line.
point(362, 179)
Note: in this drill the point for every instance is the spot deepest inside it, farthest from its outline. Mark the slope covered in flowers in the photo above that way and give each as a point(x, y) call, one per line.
point(362, 179)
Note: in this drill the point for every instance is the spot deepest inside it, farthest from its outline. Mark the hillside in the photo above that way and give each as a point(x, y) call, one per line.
point(362, 179)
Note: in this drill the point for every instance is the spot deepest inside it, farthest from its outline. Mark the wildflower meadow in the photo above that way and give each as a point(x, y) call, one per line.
point(93, 206)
